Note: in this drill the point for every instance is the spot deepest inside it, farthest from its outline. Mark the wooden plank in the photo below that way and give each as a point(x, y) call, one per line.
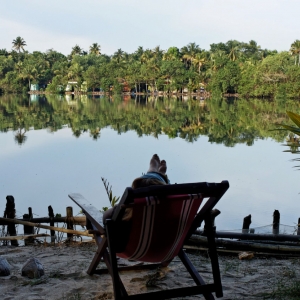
point(77, 220)
point(15, 221)
point(94, 215)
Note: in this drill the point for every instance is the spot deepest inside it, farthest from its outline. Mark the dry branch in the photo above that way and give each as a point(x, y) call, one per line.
point(76, 232)
point(22, 237)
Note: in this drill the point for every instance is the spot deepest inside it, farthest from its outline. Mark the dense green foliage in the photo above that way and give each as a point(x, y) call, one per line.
point(223, 121)
point(232, 67)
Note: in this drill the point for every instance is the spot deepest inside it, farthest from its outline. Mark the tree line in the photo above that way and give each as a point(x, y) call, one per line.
point(229, 68)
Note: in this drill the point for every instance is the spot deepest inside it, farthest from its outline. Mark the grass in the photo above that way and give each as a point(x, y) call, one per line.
point(287, 287)
point(35, 281)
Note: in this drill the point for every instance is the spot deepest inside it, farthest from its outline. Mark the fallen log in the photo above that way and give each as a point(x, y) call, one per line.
point(76, 232)
point(238, 245)
point(22, 237)
point(236, 252)
point(254, 236)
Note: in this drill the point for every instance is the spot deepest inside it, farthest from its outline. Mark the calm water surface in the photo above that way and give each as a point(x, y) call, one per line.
point(55, 146)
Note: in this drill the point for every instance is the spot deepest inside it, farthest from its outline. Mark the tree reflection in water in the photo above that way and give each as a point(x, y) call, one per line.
point(20, 136)
point(224, 121)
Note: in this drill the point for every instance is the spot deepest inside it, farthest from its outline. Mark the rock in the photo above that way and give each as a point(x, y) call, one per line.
point(33, 268)
point(246, 255)
point(4, 267)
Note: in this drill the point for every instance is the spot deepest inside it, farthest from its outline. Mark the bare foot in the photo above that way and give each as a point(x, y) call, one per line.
point(163, 167)
point(154, 163)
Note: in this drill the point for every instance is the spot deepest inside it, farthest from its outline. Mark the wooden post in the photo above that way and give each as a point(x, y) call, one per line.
point(28, 230)
point(10, 212)
point(70, 220)
point(213, 214)
point(246, 224)
point(298, 228)
point(51, 216)
point(276, 220)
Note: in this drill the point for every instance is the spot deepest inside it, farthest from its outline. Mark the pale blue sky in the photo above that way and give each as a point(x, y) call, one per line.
point(127, 24)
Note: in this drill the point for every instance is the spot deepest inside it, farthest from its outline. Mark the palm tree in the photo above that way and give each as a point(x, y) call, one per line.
point(234, 52)
point(19, 44)
point(139, 52)
point(295, 49)
point(76, 50)
point(4, 52)
point(29, 72)
point(157, 52)
point(189, 52)
point(118, 55)
point(199, 60)
point(147, 56)
point(171, 54)
point(95, 49)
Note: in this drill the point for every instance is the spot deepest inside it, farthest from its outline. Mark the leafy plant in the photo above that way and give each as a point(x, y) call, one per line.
point(292, 141)
point(112, 199)
point(296, 119)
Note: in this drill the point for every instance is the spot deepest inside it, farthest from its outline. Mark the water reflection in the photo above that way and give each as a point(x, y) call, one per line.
point(224, 121)
point(20, 136)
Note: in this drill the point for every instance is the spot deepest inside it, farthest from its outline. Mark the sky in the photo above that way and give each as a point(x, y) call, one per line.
point(128, 24)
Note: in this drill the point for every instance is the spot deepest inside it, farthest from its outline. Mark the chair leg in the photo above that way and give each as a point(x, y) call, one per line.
point(212, 251)
point(102, 245)
point(119, 289)
point(194, 273)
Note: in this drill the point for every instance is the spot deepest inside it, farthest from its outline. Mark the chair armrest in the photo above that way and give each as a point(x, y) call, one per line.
point(91, 212)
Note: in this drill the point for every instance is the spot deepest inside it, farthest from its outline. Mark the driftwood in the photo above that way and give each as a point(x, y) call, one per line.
point(22, 237)
point(254, 236)
point(76, 232)
point(249, 246)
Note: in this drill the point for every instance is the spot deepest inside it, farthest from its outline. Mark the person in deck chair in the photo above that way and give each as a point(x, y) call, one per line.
point(156, 175)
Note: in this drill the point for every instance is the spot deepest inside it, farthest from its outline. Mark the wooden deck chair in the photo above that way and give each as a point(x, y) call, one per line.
point(163, 218)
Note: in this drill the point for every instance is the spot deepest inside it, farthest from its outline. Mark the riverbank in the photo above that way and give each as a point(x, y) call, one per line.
point(157, 94)
point(65, 275)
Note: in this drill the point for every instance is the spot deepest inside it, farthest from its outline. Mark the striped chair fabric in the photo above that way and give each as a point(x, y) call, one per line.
point(159, 227)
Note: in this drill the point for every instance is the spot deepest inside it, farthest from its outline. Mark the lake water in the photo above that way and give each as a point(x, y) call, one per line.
point(54, 146)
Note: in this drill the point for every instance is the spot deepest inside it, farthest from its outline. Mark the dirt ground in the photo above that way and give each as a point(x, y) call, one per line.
point(65, 275)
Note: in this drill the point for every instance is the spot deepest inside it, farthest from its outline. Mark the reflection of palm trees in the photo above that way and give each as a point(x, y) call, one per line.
point(95, 133)
point(20, 136)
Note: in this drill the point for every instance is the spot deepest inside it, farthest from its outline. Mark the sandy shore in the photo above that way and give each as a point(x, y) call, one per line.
point(65, 275)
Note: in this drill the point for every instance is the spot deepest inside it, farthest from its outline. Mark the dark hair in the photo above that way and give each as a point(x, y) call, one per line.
point(143, 182)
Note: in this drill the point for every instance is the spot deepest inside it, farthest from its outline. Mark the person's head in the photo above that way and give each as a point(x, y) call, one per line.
point(144, 182)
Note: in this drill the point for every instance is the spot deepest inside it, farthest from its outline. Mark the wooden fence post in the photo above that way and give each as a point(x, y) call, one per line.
point(28, 229)
point(69, 220)
point(246, 224)
point(298, 227)
point(10, 212)
point(276, 221)
point(51, 216)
